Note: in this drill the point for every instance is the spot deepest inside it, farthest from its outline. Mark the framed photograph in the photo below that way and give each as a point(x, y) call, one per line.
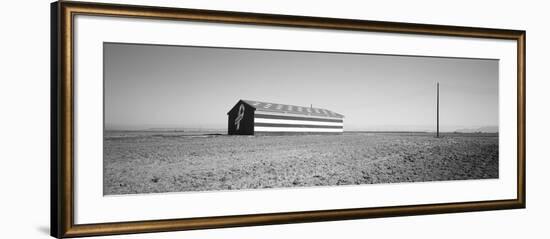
point(170, 119)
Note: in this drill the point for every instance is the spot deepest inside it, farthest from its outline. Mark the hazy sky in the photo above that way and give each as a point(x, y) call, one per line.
point(149, 86)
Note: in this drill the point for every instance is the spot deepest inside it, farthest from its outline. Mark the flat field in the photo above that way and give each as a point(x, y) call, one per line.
point(153, 162)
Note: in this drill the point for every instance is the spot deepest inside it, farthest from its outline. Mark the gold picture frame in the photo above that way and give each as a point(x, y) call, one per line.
point(62, 128)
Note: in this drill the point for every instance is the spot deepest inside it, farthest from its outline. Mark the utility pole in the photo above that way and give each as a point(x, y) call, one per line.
point(437, 130)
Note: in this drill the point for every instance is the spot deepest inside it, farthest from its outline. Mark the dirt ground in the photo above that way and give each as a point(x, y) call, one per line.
point(159, 162)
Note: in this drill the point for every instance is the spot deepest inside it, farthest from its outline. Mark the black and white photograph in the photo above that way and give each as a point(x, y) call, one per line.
point(189, 118)
point(275, 119)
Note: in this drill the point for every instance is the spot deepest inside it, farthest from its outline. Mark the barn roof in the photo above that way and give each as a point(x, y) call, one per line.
point(292, 109)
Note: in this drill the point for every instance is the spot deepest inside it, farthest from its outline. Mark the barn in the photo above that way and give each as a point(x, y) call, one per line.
point(251, 117)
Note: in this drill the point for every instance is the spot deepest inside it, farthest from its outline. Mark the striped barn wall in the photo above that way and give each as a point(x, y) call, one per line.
point(273, 122)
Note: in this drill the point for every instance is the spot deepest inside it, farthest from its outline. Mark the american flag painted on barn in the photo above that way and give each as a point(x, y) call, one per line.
point(282, 118)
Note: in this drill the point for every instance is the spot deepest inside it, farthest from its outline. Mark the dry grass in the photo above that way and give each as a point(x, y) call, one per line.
point(153, 162)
